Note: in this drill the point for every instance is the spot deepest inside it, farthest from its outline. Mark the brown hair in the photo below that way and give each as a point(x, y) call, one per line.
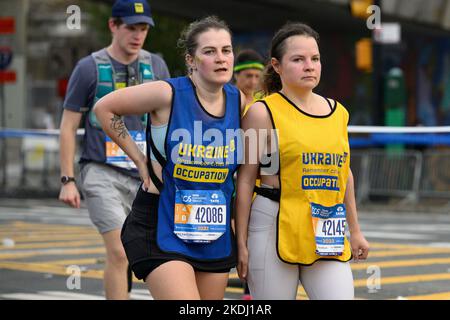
point(117, 21)
point(271, 79)
point(189, 36)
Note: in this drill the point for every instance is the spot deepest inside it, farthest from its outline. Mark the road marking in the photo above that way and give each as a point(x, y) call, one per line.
point(17, 225)
point(434, 296)
point(400, 263)
point(387, 264)
point(76, 262)
point(395, 246)
point(405, 279)
point(63, 295)
point(50, 252)
point(28, 237)
point(52, 269)
point(64, 244)
point(397, 235)
point(407, 252)
point(136, 296)
point(29, 296)
point(72, 295)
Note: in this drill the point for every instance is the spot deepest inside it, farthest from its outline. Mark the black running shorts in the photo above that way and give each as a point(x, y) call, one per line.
point(139, 240)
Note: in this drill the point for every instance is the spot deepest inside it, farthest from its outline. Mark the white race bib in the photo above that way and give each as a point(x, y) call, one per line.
point(329, 228)
point(200, 215)
point(117, 157)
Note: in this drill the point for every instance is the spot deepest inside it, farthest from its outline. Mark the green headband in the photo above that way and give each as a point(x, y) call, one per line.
point(249, 65)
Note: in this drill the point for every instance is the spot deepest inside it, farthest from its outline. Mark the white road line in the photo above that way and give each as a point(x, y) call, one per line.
point(30, 296)
point(62, 295)
point(136, 296)
point(71, 295)
point(397, 235)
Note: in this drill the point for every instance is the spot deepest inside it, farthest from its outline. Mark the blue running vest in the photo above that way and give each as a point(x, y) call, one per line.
point(203, 152)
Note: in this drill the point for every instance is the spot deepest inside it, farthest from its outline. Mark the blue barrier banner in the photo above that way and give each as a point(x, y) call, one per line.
point(415, 139)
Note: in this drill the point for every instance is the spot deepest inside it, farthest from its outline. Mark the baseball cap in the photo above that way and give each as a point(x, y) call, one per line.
point(132, 11)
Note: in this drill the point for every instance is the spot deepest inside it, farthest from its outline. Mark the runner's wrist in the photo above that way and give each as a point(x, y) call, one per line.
point(66, 180)
point(354, 230)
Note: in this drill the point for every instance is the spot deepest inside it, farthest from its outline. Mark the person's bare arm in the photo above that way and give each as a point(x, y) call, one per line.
point(255, 119)
point(70, 122)
point(136, 100)
point(359, 245)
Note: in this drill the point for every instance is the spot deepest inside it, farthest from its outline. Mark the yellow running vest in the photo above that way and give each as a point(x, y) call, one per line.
point(314, 168)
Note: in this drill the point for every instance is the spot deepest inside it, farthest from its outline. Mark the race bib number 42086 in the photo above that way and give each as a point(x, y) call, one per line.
point(200, 215)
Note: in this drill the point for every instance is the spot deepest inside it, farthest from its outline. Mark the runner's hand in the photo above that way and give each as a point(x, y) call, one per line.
point(242, 266)
point(143, 172)
point(359, 245)
point(69, 195)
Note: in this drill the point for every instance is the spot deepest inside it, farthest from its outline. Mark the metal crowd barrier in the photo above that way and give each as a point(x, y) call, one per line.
point(29, 163)
point(411, 175)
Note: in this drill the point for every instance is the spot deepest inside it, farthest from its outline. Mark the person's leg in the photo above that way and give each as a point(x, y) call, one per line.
point(116, 267)
point(105, 205)
point(211, 286)
point(129, 186)
point(328, 280)
point(268, 277)
point(173, 280)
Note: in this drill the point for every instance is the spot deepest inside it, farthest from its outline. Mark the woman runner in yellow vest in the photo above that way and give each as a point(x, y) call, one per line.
point(295, 229)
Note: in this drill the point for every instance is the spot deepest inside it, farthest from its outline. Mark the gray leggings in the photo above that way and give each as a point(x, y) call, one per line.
point(269, 278)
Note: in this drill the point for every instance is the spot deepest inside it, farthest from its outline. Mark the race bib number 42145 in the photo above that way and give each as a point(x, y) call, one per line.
point(329, 228)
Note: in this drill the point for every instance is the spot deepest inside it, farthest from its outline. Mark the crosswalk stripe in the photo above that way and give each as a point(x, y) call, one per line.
point(136, 296)
point(79, 262)
point(64, 295)
point(405, 279)
point(388, 264)
point(20, 238)
point(397, 235)
point(42, 227)
point(72, 295)
point(434, 296)
point(400, 263)
point(52, 269)
point(394, 246)
point(29, 296)
point(64, 244)
point(407, 252)
point(49, 252)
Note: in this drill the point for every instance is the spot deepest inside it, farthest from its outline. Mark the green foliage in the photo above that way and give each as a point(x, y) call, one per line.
point(99, 14)
point(163, 39)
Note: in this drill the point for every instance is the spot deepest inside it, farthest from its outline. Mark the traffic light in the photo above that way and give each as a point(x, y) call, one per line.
point(358, 8)
point(364, 54)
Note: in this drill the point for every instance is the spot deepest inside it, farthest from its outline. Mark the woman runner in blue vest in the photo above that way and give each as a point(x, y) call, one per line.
point(178, 237)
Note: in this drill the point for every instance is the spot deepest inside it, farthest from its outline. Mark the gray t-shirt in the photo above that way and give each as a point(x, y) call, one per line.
point(80, 97)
